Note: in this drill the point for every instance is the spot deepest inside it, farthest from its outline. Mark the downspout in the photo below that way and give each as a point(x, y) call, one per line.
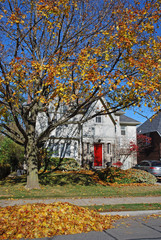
point(81, 145)
point(79, 148)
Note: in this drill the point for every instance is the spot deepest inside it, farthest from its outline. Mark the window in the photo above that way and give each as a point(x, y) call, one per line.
point(123, 130)
point(56, 149)
point(57, 132)
point(156, 164)
point(75, 149)
point(68, 149)
point(50, 144)
point(144, 164)
point(147, 164)
point(109, 148)
point(88, 148)
point(62, 146)
point(63, 109)
point(148, 139)
point(98, 119)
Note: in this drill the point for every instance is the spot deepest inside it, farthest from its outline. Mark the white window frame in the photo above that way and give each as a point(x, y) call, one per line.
point(123, 130)
point(108, 148)
point(99, 119)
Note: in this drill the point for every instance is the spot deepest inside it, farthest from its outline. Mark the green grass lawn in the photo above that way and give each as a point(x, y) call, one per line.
point(64, 185)
point(125, 207)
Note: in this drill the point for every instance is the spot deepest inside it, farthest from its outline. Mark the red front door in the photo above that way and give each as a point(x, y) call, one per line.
point(97, 154)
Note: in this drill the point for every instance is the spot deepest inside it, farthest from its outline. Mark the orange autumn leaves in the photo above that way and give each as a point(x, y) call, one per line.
point(47, 220)
point(124, 63)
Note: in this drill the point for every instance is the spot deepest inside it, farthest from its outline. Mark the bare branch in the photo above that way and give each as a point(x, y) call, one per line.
point(12, 138)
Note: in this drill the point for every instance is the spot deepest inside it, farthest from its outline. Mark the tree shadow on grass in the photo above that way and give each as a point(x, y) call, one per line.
point(53, 179)
point(66, 178)
point(14, 180)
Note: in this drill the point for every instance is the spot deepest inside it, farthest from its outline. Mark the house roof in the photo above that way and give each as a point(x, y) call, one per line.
point(124, 120)
point(118, 113)
point(153, 124)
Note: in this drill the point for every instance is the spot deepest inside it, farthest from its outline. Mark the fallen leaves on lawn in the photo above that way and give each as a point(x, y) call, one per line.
point(46, 220)
point(129, 184)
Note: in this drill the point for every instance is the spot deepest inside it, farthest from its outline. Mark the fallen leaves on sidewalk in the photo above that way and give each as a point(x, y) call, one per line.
point(46, 220)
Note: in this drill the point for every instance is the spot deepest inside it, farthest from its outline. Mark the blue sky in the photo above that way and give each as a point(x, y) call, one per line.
point(141, 114)
point(147, 112)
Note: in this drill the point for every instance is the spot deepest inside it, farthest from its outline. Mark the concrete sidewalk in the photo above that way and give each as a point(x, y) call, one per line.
point(93, 201)
point(83, 201)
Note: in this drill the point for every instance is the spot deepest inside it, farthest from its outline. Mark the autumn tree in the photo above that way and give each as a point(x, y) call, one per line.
point(132, 148)
point(72, 53)
point(128, 149)
point(144, 144)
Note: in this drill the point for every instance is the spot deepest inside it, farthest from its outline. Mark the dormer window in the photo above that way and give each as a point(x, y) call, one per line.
point(98, 119)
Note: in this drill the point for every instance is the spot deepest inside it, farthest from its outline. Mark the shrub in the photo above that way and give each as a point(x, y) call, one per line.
point(117, 175)
point(140, 176)
point(46, 161)
point(4, 170)
point(63, 178)
point(67, 164)
point(114, 175)
point(11, 153)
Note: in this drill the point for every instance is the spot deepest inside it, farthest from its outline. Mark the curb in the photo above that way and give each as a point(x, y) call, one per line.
point(133, 213)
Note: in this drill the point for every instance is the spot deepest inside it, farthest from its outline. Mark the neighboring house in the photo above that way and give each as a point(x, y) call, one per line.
point(96, 142)
point(151, 128)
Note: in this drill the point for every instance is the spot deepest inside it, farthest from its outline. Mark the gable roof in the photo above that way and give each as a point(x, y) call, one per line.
point(153, 124)
point(119, 113)
point(124, 120)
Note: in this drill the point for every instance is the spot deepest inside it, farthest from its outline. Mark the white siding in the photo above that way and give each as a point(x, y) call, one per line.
point(107, 132)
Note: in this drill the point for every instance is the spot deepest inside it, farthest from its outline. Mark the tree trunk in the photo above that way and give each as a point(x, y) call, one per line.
point(32, 160)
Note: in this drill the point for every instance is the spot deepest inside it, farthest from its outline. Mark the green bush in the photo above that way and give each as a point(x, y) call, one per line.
point(114, 175)
point(11, 153)
point(67, 164)
point(47, 162)
point(4, 171)
point(64, 178)
point(117, 175)
point(140, 176)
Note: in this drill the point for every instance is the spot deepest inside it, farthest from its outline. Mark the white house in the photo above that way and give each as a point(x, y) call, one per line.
point(97, 142)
